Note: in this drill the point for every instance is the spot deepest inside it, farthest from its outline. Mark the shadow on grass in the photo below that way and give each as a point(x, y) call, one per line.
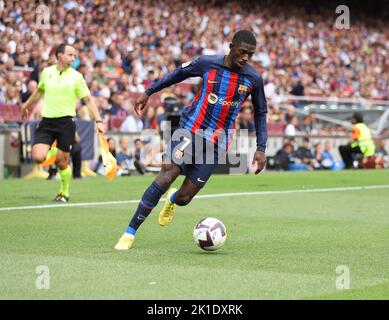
point(209, 253)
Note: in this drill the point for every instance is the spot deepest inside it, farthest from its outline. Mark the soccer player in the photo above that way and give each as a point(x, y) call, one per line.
point(60, 85)
point(227, 82)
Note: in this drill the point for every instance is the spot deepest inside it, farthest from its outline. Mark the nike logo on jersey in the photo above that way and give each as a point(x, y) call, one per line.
point(211, 81)
point(199, 180)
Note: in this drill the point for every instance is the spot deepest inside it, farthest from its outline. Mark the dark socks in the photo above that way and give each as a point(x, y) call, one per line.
point(146, 205)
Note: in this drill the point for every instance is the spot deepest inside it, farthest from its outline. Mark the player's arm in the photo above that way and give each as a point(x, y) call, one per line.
point(90, 103)
point(83, 92)
point(260, 110)
point(36, 95)
point(31, 101)
point(186, 70)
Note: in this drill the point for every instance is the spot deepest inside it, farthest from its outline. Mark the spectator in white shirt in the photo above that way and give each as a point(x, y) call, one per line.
point(132, 123)
point(291, 129)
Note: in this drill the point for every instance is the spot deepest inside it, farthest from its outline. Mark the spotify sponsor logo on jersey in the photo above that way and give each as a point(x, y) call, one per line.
point(225, 103)
point(213, 99)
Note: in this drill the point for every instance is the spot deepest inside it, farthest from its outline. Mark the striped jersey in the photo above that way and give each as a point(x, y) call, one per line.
point(213, 112)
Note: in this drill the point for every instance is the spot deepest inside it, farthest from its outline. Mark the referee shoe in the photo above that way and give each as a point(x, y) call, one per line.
point(61, 198)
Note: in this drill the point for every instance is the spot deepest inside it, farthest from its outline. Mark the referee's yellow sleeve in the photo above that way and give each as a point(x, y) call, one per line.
point(41, 84)
point(82, 89)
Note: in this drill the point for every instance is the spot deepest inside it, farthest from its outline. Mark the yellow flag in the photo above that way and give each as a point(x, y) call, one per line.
point(109, 161)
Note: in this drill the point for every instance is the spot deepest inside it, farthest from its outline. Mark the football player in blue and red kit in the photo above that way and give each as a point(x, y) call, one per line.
point(205, 124)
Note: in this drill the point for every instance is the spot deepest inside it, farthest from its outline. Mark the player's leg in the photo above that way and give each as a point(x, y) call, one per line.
point(182, 153)
point(66, 129)
point(180, 197)
point(169, 172)
point(205, 158)
point(45, 154)
point(51, 155)
point(185, 193)
point(39, 152)
point(202, 155)
point(43, 138)
point(197, 176)
point(65, 174)
point(174, 197)
point(173, 165)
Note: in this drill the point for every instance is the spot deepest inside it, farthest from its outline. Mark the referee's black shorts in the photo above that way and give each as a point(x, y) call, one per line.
point(61, 129)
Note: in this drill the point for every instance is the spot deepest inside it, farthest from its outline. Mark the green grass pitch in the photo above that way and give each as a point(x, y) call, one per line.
point(279, 246)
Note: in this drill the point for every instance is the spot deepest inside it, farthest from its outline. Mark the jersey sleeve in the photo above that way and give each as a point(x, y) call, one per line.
point(42, 79)
point(194, 68)
point(82, 89)
point(260, 110)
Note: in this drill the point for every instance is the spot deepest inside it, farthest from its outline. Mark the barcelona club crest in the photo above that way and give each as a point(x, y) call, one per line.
point(179, 154)
point(242, 89)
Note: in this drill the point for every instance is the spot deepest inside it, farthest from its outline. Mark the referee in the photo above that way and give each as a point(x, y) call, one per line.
point(60, 85)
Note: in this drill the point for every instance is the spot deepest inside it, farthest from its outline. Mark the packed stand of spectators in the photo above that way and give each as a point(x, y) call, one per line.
point(285, 121)
point(124, 46)
point(319, 156)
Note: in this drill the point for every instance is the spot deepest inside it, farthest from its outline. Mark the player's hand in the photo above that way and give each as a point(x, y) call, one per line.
point(24, 112)
point(140, 104)
point(260, 160)
point(100, 128)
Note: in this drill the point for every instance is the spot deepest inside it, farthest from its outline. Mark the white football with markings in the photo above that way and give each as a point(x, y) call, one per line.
point(210, 234)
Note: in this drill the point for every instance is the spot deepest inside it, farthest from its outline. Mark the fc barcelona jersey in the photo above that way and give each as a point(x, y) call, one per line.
point(215, 108)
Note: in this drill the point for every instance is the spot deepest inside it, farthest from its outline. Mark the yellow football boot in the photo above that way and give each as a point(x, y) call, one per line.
point(125, 242)
point(166, 215)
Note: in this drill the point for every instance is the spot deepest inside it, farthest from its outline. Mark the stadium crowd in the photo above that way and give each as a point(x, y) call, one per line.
point(125, 46)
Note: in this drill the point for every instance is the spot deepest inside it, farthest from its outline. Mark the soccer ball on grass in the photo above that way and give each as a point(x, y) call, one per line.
point(210, 234)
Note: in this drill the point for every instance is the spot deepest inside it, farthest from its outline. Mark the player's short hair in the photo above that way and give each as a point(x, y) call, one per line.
point(60, 49)
point(245, 36)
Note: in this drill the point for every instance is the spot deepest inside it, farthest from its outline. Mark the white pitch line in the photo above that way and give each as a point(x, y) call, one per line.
point(206, 196)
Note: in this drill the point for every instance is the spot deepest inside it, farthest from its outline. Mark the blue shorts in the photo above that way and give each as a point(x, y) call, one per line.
point(196, 156)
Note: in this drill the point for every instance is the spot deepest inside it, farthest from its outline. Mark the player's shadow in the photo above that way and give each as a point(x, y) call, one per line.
point(209, 253)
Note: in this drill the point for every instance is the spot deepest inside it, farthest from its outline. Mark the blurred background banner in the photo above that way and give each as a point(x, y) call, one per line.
point(86, 131)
